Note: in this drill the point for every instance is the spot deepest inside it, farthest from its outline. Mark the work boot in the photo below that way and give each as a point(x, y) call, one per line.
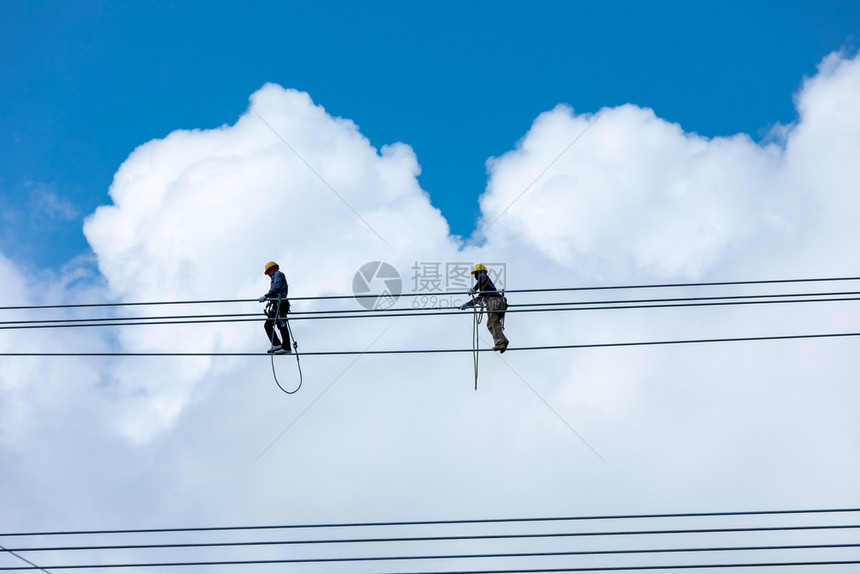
point(274, 349)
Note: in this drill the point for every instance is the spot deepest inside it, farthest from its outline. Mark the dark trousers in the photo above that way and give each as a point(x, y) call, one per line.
point(269, 325)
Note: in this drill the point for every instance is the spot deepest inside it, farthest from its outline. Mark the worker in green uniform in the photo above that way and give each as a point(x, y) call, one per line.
point(486, 293)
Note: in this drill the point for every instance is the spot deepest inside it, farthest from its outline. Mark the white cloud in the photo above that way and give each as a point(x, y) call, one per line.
point(633, 195)
point(635, 199)
point(55, 206)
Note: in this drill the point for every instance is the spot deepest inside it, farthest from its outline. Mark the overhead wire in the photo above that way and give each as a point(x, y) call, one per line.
point(682, 543)
point(458, 538)
point(616, 304)
point(12, 552)
point(438, 351)
point(447, 293)
point(447, 522)
point(781, 298)
point(553, 554)
point(259, 562)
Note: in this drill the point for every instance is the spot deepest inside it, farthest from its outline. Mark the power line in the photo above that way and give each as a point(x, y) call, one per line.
point(439, 351)
point(259, 562)
point(454, 522)
point(430, 557)
point(189, 545)
point(12, 552)
point(641, 568)
point(729, 299)
point(445, 293)
point(721, 539)
point(634, 304)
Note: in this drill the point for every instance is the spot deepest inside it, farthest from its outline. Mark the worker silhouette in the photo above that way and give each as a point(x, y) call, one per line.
point(486, 293)
point(277, 309)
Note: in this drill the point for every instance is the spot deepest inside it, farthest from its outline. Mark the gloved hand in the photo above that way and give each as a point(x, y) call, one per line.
point(262, 299)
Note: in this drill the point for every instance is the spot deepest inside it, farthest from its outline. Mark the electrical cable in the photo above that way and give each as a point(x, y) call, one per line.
point(258, 562)
point(440, 351)
point(645, 568)
point(12, 552)
point(430, 312)
point(519, 536)
point(537, 554)
point(425, 557)
point(834, 296)
point(448, 293)
point(257, 543)
point(450, 522)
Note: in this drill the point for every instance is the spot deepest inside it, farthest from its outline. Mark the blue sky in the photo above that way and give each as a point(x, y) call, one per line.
point(85, 83)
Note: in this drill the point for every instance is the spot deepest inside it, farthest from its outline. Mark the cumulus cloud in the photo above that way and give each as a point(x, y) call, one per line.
point(616, 196)
point(633, 195)
point(287, 183)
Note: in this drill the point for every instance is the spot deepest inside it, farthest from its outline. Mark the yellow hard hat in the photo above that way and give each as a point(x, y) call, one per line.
point(269, 265)
point(479, 267)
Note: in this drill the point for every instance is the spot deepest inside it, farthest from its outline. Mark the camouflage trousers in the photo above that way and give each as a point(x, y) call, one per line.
point(496, 307)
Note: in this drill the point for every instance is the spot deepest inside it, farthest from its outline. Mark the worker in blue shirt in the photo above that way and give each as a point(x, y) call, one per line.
point(277, 309)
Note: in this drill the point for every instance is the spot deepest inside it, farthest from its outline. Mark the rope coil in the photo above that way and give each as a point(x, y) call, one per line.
point(291, 343)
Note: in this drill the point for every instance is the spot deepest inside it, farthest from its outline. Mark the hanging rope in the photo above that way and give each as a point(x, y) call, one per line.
point(291, 342)
point(477, 317)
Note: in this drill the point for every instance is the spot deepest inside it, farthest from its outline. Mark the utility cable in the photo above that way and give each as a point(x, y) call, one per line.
point(440, 351)
point(446, 293)
point(14, 553)
point(517, 536)
point(645, 568)
point(551, 307)
point(250, 562)
point(260, 543)
point(451, 522)
point(515, 571)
